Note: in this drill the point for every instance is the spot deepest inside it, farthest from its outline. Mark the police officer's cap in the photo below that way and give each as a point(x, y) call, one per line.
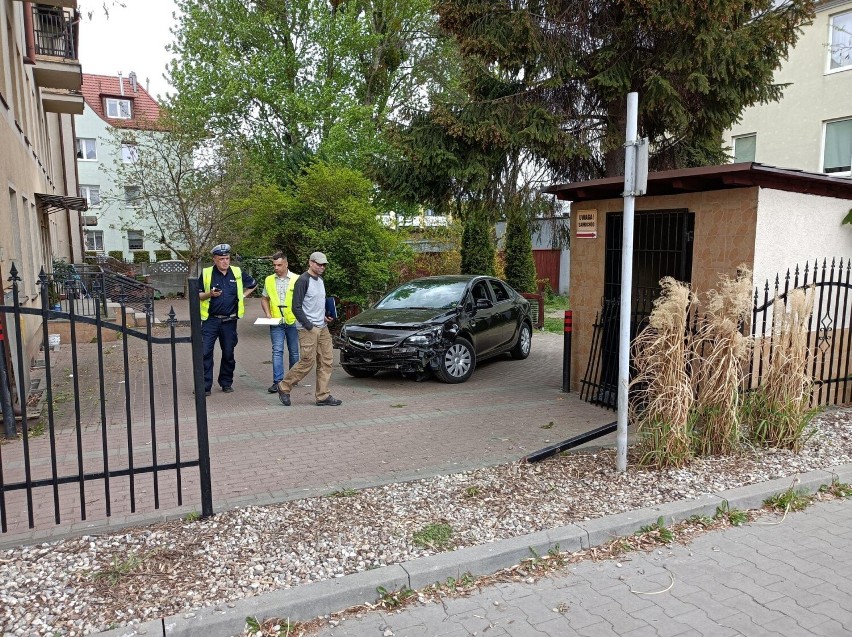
point(221, 250)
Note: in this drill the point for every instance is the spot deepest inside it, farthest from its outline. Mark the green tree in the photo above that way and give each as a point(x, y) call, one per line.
point(544, 85)
point(328, 208)
point(304, 77)
point(477, 251)
point(520, 264)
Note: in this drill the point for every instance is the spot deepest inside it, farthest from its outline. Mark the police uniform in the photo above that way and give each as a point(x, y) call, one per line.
point(219, 316)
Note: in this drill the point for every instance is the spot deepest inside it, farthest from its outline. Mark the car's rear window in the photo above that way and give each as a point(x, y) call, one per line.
point(424, 294)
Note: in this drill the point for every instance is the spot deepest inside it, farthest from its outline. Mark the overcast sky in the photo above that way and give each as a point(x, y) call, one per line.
point(133, 38)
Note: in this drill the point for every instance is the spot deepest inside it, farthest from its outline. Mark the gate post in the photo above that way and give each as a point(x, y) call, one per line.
point(566, 352)
point(200, 400)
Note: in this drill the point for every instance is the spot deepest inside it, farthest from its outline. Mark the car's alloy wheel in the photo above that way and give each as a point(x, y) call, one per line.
point(522, 348)
point(458, 362)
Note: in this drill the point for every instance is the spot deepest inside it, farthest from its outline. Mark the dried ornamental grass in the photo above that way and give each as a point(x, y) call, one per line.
point(661, 394)
point(777, 412)
point(721, 353)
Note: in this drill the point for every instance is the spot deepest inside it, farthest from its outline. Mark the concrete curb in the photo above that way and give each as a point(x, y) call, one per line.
point(320, 598)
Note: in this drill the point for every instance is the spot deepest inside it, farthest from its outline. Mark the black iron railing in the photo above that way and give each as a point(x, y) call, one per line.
point(56, 31)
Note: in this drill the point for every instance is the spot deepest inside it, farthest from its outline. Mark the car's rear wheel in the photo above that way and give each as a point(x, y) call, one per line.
point(458, 362)
point(522, 348)
point(359, 372)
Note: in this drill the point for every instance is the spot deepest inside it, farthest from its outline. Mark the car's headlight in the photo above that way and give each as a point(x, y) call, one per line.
point(424, 337)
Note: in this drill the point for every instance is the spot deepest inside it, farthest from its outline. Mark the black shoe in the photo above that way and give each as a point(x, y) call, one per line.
point(284, 398)
point(273, 388)
point(227, 389)
point(330, 401)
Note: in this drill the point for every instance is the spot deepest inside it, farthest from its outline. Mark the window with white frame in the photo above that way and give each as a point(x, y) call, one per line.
point(840, 46)
point(118, 108)
point(129, 154)
point(837, 156)
point(87, 149)
point(135, 240)
point(95, 240)
point(92, 195)
point(745, 147)
point(132, 195)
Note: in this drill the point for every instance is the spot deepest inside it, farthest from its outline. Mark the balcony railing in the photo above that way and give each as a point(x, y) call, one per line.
point(56, 31)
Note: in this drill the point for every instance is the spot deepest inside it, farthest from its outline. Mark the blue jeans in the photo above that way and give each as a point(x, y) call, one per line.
point(278, 333)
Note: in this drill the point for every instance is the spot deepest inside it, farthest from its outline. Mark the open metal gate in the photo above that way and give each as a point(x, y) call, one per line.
point(110, 432)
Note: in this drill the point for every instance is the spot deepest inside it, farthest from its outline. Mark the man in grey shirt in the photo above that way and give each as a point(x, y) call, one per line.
point(314, 337)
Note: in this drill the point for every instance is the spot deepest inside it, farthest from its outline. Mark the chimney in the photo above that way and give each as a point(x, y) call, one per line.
point(132, 77)
point(120, 83)
point(147, 84)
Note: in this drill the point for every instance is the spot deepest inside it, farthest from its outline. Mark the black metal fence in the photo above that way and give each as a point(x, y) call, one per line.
point(127, 424)
point(829, 333)
point(829, 339)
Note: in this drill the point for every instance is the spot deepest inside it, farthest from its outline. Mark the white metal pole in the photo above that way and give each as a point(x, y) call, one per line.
point(626, 278)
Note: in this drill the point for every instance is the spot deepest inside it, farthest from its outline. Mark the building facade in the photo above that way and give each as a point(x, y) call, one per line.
point(113, 103)
point(40, 211)
point(810, 128)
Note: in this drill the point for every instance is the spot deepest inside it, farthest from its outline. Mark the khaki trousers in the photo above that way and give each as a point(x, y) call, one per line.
point(314, 347)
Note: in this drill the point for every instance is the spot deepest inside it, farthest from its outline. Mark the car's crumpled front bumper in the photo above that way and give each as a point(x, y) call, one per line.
point(371, 351)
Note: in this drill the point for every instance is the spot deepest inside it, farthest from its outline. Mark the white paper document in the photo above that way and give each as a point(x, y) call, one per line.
point(267, 321)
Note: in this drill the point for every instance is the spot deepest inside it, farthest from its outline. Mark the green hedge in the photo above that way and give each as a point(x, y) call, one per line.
point(116, 254)
point(162, 255)
point(141, 256)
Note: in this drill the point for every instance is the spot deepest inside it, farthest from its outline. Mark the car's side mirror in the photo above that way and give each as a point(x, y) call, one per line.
point(483, 304)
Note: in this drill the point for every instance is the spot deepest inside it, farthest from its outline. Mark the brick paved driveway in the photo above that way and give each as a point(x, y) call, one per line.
point(388, 430)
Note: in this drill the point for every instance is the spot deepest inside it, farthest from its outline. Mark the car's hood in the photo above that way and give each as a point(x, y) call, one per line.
point(401, 318)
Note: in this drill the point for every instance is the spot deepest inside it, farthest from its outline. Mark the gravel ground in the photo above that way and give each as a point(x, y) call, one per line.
point(92, 583)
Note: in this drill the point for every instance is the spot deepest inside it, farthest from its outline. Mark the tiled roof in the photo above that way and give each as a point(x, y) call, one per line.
point(144, 109)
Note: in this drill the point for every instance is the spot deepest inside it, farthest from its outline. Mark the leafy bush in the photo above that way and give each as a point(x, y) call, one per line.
point(520, 265)
point(141, 256)
point(162, 255)
point(116, 254)
point(477, 251)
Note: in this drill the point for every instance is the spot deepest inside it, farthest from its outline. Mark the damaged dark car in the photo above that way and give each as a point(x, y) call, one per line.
point(439, 325)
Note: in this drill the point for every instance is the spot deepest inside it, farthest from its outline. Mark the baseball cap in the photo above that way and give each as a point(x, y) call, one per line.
point(318, 257)
point(221, 250)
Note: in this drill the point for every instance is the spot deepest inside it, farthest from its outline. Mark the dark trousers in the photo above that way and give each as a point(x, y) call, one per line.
point(225, 331)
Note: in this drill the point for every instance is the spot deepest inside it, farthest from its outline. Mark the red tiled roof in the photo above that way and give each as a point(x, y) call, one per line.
point(144, 109)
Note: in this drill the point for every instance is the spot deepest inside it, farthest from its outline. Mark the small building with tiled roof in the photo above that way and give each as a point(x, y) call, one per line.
point(113, 225)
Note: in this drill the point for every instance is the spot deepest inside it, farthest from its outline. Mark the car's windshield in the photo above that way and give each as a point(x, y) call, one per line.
point(424, 294)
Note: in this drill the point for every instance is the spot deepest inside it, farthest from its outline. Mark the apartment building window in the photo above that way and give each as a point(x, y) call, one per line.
point(135, 240)
point(840, 47)
point(92, 195)
point(745, 147)
point(95, 240)
point(132, 195)
point(117, 108)
point(129, 154)
point(87, 149)
point(837, 157)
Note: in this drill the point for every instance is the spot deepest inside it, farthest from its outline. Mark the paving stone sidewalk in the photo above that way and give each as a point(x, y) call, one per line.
point(785, 579)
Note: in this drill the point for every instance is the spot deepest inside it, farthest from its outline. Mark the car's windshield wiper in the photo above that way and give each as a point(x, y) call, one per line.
point(416, 307)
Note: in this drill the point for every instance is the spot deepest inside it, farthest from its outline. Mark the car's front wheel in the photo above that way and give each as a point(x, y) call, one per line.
point(522, 348)
point(458, 362)
point(359, 372)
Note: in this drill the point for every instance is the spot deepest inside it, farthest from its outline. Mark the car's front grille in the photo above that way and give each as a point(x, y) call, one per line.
point(369, 346)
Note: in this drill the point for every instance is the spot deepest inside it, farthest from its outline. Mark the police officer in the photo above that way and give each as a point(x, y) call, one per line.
point(223, 290)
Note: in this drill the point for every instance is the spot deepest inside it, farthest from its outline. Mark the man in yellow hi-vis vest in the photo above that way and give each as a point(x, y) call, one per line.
point(277, 302)
point(223, 289)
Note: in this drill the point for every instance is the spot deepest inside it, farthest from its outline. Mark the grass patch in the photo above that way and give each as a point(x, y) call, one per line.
point(394, 599)
point(837, 489)
point(553, 302)
point(658, 531)
point(789, 500)
point(436, 536)
point(735, 517)
point(119, 568)
point(553, 325)
point(346, 492)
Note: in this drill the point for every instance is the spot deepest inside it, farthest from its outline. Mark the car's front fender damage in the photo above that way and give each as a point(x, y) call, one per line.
point(416, 352)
